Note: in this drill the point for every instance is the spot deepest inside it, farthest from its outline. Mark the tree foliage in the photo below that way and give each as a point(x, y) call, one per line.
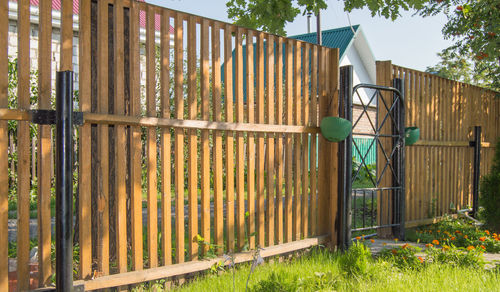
point(474, 26)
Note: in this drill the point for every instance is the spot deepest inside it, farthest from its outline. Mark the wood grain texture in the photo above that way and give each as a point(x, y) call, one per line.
point(289, 144)
point(240, 142)
point(305, 142)
point(135, 137)
point(279, 141)
point(166, 143)
point(229, 98)
point(44, 147)
point(270, 188)
point(66, 57)
point(313, 151)
point(23, 144)
point(4, 140)
point(250, 78)
point(193, 143)
point(179, 140)
point(297, 159)
point(260, 162)
point(217, 148)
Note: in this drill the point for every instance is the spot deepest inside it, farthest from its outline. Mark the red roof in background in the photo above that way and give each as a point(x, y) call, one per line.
point(56, 5)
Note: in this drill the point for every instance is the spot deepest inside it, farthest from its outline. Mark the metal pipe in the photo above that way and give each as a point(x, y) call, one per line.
point(309, 22)
point(64, 179)
point(477, 169)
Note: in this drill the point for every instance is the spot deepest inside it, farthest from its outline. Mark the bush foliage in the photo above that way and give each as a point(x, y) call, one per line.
point(490, 193)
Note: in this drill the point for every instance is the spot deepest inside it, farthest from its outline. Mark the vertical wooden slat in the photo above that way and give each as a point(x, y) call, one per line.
point(297, 145)
point(192, 140)
point(217, 148)
point(151, 140)
point(305, 144)
point(166, 150)
point(120, 160)
point(228, 94)
point(251, 140)
point(23, 142)
point(313, 149)
point(240, 155)
point(102, 92)
point(179, 140)
point(260, 141)
point(205, 147)
point(135, 137)
point(289, 145)
point(4, 178)
point(279, 142)
point(84, 203)
point(270, 140)
point(44, 143)
point(67, 35)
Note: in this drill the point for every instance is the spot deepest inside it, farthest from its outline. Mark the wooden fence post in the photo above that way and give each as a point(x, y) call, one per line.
point(328, 168)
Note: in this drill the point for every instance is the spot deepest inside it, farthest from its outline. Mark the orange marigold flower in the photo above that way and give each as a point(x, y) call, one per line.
point(358, 237)
point(435, 242)
point(483, 247)
point(429, 245)
point(446, 247)
point(465, 236)
point(482, 238)
point(458, 231)
point(372, 241)
point(421, 259)
point(405, 246)
point(452, 238)
point(394, 251)
point(439, 231)
point(470, 247)
point(487, 232)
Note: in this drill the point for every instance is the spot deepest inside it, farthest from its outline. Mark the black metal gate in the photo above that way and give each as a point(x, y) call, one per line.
point(372, 194)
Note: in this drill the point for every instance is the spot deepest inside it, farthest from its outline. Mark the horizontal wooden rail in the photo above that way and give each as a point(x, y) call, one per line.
point(194, 266)
point(92, 118)
point(451, 144)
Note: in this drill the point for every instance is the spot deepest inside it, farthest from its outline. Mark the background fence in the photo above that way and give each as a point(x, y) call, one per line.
point(174, 166)
point(439, 167)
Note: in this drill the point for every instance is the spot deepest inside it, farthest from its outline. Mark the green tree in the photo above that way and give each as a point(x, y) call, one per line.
point(474, 26)
point(460, 68)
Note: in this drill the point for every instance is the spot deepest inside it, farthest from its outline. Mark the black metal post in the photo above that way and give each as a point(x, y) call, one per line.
point(477, 169)
point(400, 195)
point(64, 177)
point(345, 158)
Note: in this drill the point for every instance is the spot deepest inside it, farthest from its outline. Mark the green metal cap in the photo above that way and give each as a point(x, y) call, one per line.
point(412, 134)
point(335, 129)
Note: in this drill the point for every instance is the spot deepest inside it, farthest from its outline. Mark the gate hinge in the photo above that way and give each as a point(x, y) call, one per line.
point(48, 117)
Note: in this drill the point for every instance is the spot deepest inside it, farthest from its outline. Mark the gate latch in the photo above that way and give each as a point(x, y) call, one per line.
point(48, 117)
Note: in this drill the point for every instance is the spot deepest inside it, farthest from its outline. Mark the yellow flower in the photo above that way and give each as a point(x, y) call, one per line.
point(396, 240)
point(445, 247)
point(435, 242)
point(384, 244)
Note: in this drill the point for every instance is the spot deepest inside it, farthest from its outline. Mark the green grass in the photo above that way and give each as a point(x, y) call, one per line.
point(322, 271)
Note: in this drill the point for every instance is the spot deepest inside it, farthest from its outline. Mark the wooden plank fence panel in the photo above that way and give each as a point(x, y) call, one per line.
point(217, 148)
point(313, 151)
point(193, 142)
point(260, 141)
point(179, 140)
point(205, 147)
point(279, 141)
point(289, 144)
point(166, 143)
point(4, 140)
point(270, 142)
point(120, 140)
point(240, 142)
point(228, 94)
point(251, 139)
point(305, 144)
point(103, 144)
point(297, 140)
point(23, 143)
point(44, 144)
point(135, 137)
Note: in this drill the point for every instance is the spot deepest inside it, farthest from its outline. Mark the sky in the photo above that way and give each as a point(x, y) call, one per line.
point(410, 41)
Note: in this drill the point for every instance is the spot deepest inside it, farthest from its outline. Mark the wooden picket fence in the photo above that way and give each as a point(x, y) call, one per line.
point(220, 168)
point(439, 167)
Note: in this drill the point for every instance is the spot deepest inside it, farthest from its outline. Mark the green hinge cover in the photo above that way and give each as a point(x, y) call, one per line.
point(412, 134)
point(335, 129)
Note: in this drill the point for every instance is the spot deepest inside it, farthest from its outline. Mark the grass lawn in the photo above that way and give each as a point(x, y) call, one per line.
point(321, 270)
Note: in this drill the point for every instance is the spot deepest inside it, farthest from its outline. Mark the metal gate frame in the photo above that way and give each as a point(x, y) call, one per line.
point(395, 161)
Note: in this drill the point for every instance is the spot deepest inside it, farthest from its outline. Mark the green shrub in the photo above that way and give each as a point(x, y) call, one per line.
point(457, 257)
point(356, 260)
point(403, 257)
point(490, 193)
point(277, 282)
